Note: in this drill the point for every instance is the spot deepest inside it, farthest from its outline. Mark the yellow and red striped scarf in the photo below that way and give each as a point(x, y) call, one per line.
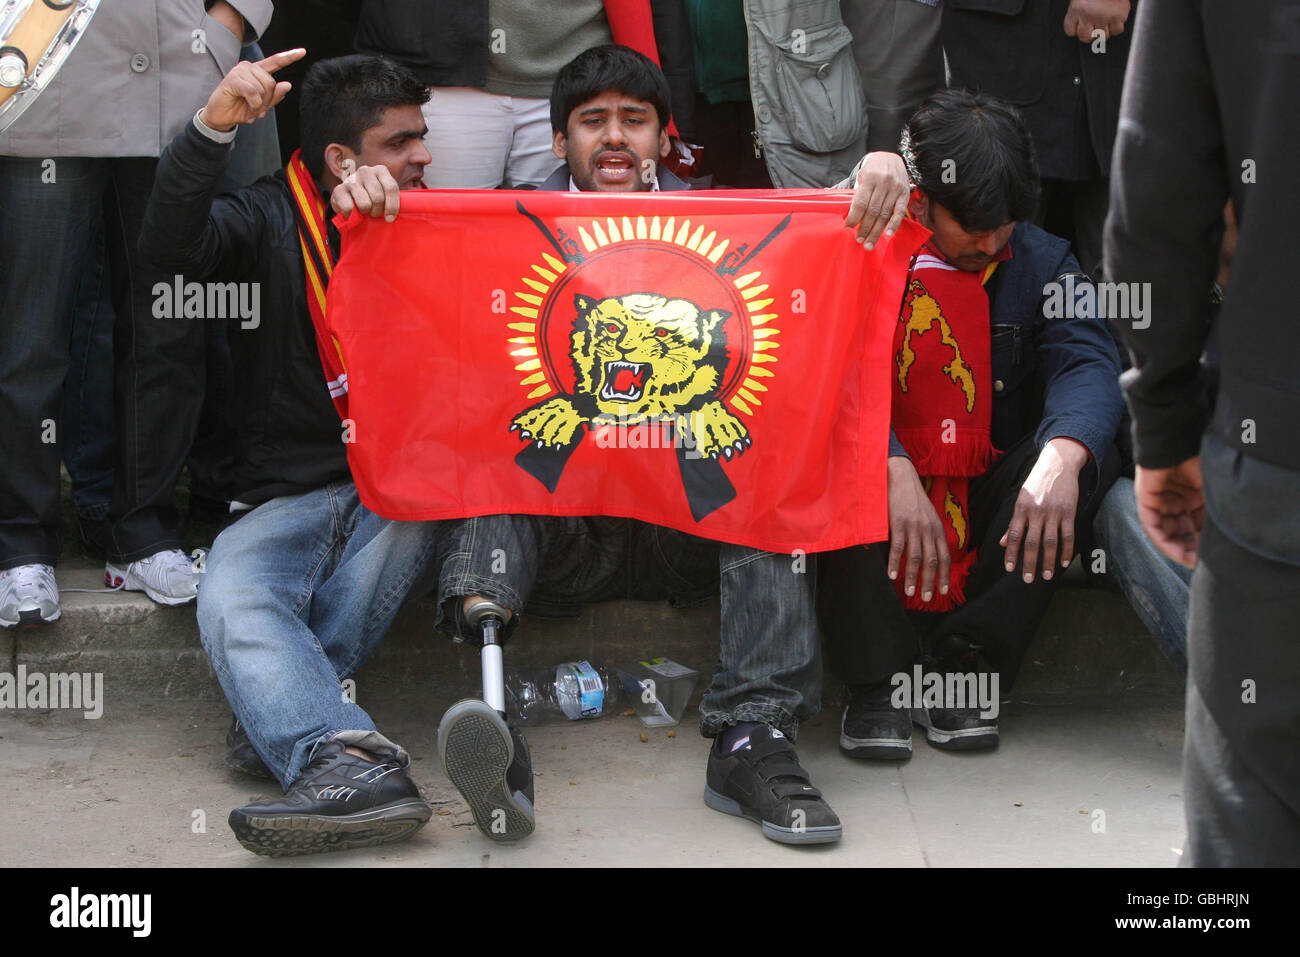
point(318, 264)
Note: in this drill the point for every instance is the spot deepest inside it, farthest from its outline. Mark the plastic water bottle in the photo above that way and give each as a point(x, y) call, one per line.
point(574, 690)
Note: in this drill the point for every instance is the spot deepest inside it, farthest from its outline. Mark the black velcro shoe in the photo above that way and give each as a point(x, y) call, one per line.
point(339, 802)
point(489, 764)
point(761, 780)
point(957, 729)
point(241, 756)
point(873, 728)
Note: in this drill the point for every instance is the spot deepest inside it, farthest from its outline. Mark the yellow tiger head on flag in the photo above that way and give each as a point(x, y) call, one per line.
point(642, 357)
point(646, 355)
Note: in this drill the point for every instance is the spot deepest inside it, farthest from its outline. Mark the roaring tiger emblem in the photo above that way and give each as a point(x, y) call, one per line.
point(642, 358)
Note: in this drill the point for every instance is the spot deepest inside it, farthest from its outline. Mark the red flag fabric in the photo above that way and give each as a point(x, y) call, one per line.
point(718, 363)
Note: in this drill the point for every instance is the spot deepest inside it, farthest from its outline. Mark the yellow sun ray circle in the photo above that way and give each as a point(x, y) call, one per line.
point(694, 237)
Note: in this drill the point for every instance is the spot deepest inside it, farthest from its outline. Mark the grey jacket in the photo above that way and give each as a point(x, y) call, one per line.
point(135, 78)
point(809, 109)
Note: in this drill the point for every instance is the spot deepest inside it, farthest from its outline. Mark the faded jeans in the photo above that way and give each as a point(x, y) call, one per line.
point(294, 597)
point(1157, 587)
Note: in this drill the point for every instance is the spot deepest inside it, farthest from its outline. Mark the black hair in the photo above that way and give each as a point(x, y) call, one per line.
point(604, 68)
point(344, 96)
point(973, 154)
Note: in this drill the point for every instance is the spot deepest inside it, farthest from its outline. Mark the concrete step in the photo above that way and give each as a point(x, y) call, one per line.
point(1090, 643)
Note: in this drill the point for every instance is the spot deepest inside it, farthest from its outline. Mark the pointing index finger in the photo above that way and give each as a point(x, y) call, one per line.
point(283, 58)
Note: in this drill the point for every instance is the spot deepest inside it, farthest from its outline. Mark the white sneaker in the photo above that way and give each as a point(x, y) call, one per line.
point(167, 577)
point(28, 596)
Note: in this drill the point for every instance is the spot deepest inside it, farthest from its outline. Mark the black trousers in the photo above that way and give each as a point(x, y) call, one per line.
point(869, 636)
point(1241, 755)
point(726, 131)
point(159, 362)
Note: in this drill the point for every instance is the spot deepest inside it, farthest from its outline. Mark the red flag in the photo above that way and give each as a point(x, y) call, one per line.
point(714, 362)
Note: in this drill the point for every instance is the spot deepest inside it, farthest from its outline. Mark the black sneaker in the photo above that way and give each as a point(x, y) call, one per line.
point(241, 756)
point(957, 729)
point(873, 728)
point(762, 781)
point(340, 801)
point(489, 764)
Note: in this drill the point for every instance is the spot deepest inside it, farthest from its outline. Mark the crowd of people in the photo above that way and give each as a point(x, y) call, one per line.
point(207, 160)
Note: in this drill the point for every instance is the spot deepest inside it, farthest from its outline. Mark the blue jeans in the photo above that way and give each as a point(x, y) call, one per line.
point(770, 646)
point(1157, 587)
point(294, 597)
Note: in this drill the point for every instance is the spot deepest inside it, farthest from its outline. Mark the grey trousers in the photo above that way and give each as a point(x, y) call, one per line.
point(900, 58)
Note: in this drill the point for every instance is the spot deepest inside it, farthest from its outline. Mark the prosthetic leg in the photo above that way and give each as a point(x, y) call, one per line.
point(489, 618)
point(481, 754)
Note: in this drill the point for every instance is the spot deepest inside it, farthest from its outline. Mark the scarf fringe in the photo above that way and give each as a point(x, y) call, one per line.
point(966, 458)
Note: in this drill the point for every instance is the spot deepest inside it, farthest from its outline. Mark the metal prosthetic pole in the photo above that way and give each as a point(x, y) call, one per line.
point(490, 617)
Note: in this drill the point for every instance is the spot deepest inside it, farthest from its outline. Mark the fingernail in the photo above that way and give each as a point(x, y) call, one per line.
point(943, 590)
point(1010, 567)
point(927, 596)
point(868, 245)
point(1065, 564)
point(390, 218)
point(893, 576)
point(911, 591)
point(1047, 575)
point(1029, 577)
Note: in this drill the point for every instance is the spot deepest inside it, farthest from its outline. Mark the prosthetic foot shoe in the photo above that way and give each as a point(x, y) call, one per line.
point(489, 764)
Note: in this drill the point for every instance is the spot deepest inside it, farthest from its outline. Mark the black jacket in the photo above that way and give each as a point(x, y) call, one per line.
point(1018, 50)
point(443, 42)
point(289, 434)
point(1210, 114)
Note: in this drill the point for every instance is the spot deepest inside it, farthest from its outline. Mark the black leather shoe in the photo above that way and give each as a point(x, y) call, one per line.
point(957, 729)
point(340, 801)
point(873, 728)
